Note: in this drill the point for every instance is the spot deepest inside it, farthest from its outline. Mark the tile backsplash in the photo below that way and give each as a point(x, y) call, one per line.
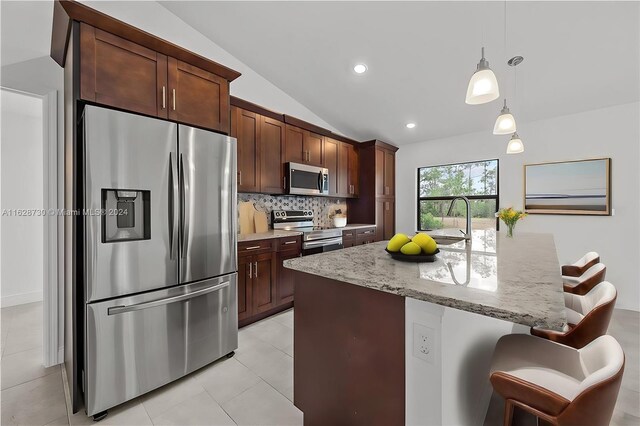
point(323, 207)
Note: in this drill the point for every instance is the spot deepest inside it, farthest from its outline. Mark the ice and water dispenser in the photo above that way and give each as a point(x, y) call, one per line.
point(126, 215)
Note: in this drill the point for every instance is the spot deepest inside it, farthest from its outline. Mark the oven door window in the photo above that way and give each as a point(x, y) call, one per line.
point(309, 181)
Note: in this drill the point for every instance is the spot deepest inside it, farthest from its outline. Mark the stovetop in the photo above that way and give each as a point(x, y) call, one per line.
point(302, 220)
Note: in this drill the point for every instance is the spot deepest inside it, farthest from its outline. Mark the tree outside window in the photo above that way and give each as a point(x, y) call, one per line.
point(439, 185)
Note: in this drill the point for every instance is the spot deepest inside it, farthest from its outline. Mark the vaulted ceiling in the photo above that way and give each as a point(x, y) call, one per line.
point(578, 56)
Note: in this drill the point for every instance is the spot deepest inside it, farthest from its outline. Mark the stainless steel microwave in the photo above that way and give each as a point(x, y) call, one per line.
point(303, 179)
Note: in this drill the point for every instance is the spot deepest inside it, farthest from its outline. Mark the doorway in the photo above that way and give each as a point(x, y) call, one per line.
point(28, 227)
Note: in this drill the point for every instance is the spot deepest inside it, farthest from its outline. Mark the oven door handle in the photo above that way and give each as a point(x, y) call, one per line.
point(320, 179)
point(320, 243)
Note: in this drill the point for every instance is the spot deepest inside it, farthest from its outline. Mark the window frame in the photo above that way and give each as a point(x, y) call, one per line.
point(451, 197)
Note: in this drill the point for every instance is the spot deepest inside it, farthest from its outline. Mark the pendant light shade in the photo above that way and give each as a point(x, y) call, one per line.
point(515, 145)
point(505, 123)
point(483, 86)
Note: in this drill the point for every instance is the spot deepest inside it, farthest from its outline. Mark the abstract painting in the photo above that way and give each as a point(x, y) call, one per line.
point(568, 187)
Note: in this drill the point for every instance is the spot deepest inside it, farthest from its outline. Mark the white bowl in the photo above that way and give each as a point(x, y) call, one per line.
point(339, 222)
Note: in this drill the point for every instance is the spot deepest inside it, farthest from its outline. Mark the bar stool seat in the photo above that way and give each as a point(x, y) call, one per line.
point(584, 283)
point(588, 317)
point(581, 265)
point(557, 383)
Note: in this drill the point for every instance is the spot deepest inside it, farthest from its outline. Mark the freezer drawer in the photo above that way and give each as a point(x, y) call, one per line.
point(138, 343)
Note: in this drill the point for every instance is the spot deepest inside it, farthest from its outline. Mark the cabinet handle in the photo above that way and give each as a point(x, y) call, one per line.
point(239, 177)
point(250, 269)
point(290, 242)
point(252, 248)
point(348, 235)
point(255, 273)
point(174, 99)
point(164, 97)
point(284, 182)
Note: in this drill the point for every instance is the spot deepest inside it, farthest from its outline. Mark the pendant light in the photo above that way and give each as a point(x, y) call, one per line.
point(505, 123)
point(515, 145)
point(483, 86)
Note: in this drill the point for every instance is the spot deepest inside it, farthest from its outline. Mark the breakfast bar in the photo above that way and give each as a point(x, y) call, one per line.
point(380, 341)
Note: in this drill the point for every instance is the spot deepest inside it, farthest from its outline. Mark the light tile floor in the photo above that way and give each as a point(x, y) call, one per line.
point(254, 387)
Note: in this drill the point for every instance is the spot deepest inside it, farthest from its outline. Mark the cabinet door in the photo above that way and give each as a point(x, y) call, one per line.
point(272, 155)
point(122, 74)
point(354, 170)
point(294, 145)
point(244, 287)
point(389, 222)
point(332, 163)
point(389, 173)
point(285, 277)
point(380, 184)
point(312, 148)
point(245, 127)
point(264, 280)
point(342, 176)
point(197, 97)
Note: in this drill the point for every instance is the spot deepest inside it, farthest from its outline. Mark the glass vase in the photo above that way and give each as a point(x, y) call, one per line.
point(510, 227)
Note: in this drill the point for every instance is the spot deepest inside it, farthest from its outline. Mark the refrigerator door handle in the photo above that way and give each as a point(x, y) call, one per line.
point(173, 206)
point(184, 181)
point(114, 310)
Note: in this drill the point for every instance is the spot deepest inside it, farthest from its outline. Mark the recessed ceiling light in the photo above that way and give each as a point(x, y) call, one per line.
point(411, 125)
point(360, 68)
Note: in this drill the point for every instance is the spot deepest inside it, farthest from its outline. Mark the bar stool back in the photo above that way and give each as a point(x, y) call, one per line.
point(581, 265)
point(558, 384)
point(584, 283)
point(588, 317)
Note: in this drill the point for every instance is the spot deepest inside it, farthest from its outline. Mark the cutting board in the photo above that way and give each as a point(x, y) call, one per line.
point(246, 212)
point(260, 222)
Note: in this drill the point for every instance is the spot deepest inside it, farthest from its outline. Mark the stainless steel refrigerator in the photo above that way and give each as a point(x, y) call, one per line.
point(160, 263)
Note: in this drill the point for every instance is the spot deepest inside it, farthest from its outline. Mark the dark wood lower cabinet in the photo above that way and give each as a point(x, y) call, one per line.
point(284, 287)
point(264, 285)
point(349, 343)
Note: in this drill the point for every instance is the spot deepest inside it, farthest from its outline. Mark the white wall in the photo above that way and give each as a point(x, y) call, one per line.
point(22, 188)
point(610, 132)
point(159, 21)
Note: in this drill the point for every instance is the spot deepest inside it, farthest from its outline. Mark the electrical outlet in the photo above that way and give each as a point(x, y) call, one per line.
point(424, 342)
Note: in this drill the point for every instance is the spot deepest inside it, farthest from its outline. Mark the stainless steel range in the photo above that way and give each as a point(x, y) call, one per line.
point(315, 239)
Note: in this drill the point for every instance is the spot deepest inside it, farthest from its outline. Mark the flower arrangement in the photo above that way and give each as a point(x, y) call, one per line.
point(510, 217)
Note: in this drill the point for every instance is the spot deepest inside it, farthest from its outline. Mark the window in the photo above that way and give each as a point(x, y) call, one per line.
point(439, 185)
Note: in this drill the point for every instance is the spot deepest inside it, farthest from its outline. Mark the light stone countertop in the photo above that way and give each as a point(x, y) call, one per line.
point(278, 233)
point(357, 226)
point(514, 279)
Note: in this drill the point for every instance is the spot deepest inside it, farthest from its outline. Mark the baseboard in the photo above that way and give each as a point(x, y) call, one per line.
point(21, 299)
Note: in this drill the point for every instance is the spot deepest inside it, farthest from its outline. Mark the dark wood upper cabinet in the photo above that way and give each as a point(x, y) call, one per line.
point(121, 74)
point(313, 147)
point(354, 171)
point(389, 183)
point(376, 202)
point(197, 96)
point(303, 146)
point(343, 169)
point(294, 145)
point(332, 163)
point(246, 127)
point(272, 155)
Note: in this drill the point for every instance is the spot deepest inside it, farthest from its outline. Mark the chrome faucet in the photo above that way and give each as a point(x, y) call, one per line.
point(467, 235)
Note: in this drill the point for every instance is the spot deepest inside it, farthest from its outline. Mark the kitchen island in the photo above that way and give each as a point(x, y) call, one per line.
point(379, 341)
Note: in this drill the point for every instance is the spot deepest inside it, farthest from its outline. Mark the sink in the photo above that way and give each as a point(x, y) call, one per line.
point(442, 240)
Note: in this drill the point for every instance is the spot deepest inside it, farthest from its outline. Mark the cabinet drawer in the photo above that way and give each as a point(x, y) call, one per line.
point(366, 231)
point(348, 234)
point(290, 243)
point(365, 239)
point(253, 247)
